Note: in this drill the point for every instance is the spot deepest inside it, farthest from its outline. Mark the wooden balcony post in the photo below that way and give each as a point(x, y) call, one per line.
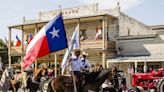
point(9, 47)
point(22, 46)
point(104, 41)
point(55, 59)
point(36, 31)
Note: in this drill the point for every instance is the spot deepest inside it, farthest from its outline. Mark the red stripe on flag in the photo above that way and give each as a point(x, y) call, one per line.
point(38, 50)
point(18, 43)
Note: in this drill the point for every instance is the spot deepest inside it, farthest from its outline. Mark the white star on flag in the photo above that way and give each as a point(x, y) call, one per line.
point(54, 33)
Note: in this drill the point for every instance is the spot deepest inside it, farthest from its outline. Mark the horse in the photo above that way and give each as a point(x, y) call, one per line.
point(29, 80)
point(93, 82)
point(5, 79)
point(19, 81)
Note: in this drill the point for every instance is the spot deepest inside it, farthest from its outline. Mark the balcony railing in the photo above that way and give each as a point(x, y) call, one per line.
point(96, 44)
point(15, 49)
point(86, 44)
point(91, 44)
point(111, 45)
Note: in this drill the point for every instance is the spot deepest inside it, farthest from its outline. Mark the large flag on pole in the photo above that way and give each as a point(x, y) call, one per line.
point(74, 43)
point(50, 38)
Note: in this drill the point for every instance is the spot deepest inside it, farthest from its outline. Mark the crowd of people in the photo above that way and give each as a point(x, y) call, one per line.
point(79, 67)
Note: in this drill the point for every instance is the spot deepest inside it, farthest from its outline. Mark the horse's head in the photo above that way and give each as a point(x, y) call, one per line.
point(9, 72)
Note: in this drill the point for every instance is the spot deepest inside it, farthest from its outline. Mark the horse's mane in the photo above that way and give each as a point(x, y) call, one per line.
point(91, 77)
point(37, 72)
point(102, 73)
point(21, 77)
point(3, 78)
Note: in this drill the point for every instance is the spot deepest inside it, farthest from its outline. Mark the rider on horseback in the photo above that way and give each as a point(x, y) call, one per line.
point(77, 65)
point(85, 61)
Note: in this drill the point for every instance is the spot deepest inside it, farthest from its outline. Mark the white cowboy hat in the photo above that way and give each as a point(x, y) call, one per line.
point(77, 49)
point(44, 65)
point(84, 53)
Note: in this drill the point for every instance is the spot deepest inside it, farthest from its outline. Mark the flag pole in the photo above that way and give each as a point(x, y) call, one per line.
point(73, 76)
point(55, 54)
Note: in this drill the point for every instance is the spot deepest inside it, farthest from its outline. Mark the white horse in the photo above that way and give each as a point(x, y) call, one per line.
point(20, 78)
point(5, 79)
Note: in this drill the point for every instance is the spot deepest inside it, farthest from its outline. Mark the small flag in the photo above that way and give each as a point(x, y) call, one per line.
point(17, 41)
point(30, 38)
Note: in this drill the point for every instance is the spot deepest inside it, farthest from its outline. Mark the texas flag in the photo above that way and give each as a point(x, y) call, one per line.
point(30, 38)
point(17, 42)
point(50, 38)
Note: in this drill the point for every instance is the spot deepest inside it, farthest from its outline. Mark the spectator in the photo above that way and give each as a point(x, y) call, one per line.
point(1, 66)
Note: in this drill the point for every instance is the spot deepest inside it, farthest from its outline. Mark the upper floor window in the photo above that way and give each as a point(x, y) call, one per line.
point(83, 34)
point(98, 33)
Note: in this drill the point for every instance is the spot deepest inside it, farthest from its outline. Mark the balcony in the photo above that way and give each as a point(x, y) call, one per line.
point(91, 44)
point(18, 50)
point(96, 44)
point(86, 44)
point(15, 49)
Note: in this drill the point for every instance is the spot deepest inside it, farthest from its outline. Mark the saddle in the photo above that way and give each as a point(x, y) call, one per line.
point(68, 81)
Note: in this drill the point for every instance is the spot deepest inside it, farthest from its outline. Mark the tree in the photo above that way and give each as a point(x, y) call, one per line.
point(3, 52)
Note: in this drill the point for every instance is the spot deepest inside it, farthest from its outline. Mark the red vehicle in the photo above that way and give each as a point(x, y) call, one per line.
point(152, 80)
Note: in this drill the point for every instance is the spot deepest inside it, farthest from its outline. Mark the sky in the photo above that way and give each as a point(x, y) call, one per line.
point(150, 12)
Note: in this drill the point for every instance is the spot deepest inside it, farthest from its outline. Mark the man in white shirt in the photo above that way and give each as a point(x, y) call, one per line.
point(76, 66)
point(85, 61)
point(75, 62)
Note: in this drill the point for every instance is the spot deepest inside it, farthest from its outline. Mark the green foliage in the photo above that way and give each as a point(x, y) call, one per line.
point(3, 52)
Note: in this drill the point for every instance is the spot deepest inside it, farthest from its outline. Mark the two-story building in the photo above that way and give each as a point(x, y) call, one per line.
point(108, 35)
point(97, 32)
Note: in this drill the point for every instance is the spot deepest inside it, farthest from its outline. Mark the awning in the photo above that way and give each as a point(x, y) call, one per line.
point(155, 57)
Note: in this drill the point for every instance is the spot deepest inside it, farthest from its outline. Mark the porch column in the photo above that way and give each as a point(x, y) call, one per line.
point(55, 65)
point(104, 40)
point(9, 47)
point(36, 31)
point(135, 64)
point(22, 46)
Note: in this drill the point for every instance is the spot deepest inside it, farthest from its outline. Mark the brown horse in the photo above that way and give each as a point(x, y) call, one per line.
point(93, 82)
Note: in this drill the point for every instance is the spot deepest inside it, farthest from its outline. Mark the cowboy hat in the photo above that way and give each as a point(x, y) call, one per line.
point(76, 50)
point(44, 66)
point(84, 53)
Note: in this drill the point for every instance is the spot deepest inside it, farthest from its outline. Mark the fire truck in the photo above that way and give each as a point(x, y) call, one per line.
point(148, 81)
